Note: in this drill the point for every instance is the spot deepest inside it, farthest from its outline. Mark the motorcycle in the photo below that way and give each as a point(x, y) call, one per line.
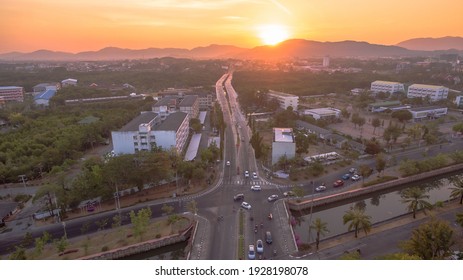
point(270, 216)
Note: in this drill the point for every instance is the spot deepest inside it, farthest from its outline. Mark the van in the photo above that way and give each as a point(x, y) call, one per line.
point(268, 237)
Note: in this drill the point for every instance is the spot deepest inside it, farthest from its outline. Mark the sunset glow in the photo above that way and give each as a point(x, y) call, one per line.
point(273, 34)
point(82, 25)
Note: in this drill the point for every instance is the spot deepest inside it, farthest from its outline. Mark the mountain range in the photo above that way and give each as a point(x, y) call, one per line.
point(288, 49)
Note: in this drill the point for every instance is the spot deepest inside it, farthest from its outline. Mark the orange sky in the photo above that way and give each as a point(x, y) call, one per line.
point(80, 25)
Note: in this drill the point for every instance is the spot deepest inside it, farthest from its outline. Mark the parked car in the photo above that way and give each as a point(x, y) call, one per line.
point(251, 253)
point(254, 175)
point(268, 237)
point(352, 170)
point(246, 174)
point(356, 177)
point(338, 183)
point(246, 205)
point(260, 246)
point(273, 197)
point(320, 188)
point(239, 196)
point(256, 188)
point(228, 163)
point(346, 176)
point(289, 193)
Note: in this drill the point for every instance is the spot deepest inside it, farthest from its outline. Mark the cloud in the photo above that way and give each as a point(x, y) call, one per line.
point(281, 7)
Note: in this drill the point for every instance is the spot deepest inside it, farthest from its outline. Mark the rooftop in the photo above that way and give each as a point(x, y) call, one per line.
point(427, 108)
point(387, 82)
point(192, 150)
point(143, 118)
point(172, 122)
point(188, 101)
point(282, 94)
point(283, 135)
point(314, 128)
point(323, 111)
point(166, 101)
point(386, 103)
point(426, 86)
point(48, 94)
point(10, 87)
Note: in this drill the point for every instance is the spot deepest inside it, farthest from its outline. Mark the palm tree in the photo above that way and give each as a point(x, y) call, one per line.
point(457, 190)
point(320, 228)
point(415, 197)
point(358, 220)
point(459, 219)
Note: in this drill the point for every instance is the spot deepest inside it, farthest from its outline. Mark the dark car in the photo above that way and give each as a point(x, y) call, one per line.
point(338, 183)
point(239, 196)
point(268, 237)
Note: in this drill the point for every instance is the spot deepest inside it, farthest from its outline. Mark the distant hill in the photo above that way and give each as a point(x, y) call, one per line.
point(288, 49)
point(305, 48)
point(433, 44)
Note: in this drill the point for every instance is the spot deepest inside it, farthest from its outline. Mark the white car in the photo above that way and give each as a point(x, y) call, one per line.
point(256, 188)
point(289, 193)
point(228, 163)
point(320, 188)
point(352, 170)
point(246, 205)
point(273, 197)
point(356, 177)
point(246, 174)
point(254, 175)
point(251, 253)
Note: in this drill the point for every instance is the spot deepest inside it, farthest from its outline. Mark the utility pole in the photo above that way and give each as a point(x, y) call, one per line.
point(23, 179)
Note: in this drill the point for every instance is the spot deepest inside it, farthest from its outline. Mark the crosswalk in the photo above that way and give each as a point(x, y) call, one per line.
point(253, 183)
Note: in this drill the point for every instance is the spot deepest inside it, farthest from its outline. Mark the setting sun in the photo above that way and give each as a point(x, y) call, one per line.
point(273, 34)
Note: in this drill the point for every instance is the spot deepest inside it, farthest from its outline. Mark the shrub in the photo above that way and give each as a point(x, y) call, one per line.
point(104, 249)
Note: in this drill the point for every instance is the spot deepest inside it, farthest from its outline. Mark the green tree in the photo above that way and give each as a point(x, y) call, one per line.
point(195, 124)
point(320, 229)
point(457, 189)
point(350, 256)
point(373, 146)
point(140, 221)
point(365, 171)
point(61, 244)
point(357, 220)
point(18, 254)
point(416, 199)
point(430, 241)
point(458, 127)
point(402, 115)
point(399, 257)
point(380, 162)
point(376, 122)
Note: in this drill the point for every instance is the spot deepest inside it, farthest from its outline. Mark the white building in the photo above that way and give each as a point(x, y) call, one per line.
point(147, 130)
point(459, 101)
point(323, 113)
point(326, 61)
point(431, 112)
point(12, 93)
point(283, 144)
point(434, 93)
point(285, 99)
point(385, 86)
point(69, 82)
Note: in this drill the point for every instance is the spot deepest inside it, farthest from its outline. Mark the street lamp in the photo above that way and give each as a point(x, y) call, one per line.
point(23, 179)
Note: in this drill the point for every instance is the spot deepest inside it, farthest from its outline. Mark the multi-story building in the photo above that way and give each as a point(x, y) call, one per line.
point(283, 144)
point(148, 130)
point(12, 93)
point(205, 99)
point(385, 86)
point(434, 93)
point(285, 99)
point(323, 113)
point(168, 105)
point(430, 112)
point(137, 135)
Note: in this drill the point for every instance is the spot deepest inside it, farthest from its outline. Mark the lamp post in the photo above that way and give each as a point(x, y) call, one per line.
point(311, 208)
point(23, 179)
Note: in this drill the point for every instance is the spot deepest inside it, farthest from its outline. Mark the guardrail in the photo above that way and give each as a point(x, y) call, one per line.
point(299, 206)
